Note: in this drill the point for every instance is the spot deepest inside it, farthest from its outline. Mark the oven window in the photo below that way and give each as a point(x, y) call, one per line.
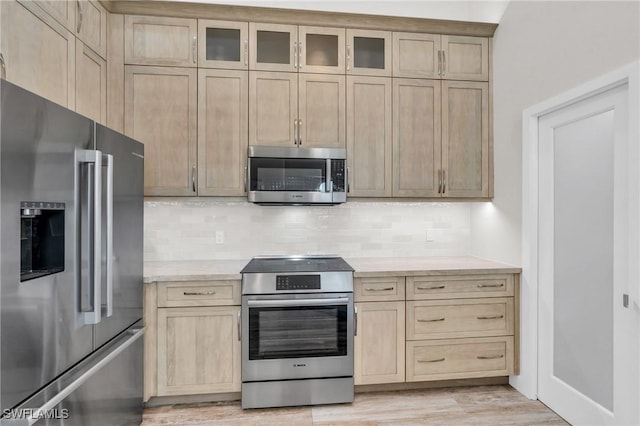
point(291, 174)
point(297, 332)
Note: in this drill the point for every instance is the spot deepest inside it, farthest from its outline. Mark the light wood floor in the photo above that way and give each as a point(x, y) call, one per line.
point(479, 405)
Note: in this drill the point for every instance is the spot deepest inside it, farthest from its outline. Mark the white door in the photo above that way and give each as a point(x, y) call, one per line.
point(587, 339)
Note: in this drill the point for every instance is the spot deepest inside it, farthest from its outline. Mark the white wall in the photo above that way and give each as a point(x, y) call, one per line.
point(541, 49)
point(459, 10)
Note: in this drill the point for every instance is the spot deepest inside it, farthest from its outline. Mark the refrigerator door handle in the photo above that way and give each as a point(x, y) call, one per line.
point(107, 159)
point(94, 208)
point(36, 413)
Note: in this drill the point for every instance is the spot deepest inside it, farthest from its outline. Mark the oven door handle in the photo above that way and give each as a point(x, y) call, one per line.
point(297, 302)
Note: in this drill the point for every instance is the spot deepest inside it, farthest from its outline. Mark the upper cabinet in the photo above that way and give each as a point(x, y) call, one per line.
point(151, 40)
point(289, 48)
point(440, 57)
point(223, 44)
point(91, 25)
point(369, 52)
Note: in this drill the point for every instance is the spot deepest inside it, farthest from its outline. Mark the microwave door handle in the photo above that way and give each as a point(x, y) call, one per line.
point(328, 184)
point(107, 160)
point(93, 159)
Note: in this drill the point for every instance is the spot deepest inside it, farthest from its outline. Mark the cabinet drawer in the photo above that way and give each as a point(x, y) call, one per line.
point(378, 289)
point(459, 286)
point(459, 358)
point(205, 293)
point(439, 319)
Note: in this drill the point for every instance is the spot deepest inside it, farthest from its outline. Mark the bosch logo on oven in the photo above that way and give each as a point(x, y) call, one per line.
point(299, 365)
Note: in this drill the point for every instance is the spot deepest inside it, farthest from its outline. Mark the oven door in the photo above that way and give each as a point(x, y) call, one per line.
point(296, 336)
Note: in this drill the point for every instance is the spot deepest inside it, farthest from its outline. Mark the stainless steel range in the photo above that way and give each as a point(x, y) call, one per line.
point(297, 331)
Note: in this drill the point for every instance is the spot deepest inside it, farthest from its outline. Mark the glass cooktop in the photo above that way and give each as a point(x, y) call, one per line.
point(307, 263)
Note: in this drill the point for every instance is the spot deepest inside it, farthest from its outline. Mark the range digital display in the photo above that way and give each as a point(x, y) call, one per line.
point(297, 282)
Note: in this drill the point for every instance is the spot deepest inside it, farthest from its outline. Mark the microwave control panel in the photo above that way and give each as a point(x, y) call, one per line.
point(337, 175)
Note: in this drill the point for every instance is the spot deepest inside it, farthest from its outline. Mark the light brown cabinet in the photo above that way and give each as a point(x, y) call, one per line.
point(39, 53)
point(369, 52)
point(441, 139)
point(380, 338)
point(289, 109)
point(91, 25)
point(152, 40)
point(289, 48)
point(223, 44)
point(64, 12)
point(222, 131)
point(91, 83)
point(192, 344)
point(161, 112)
point(369, 136)
point(434, 56)
point(461, 326)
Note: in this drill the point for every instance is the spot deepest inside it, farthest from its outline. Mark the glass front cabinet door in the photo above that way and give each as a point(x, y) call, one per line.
point(223, 44)
point(369, 52)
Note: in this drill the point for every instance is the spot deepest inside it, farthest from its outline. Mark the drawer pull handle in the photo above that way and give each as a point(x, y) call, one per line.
point(440, 287)
point(493, 317)
point(431, 320)
point(431, 360)
point(199, 293)
point(490, 356)
point(378, 289)
point(490, 285)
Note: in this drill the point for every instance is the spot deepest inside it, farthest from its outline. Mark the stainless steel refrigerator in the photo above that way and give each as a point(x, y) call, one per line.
point(71, 219)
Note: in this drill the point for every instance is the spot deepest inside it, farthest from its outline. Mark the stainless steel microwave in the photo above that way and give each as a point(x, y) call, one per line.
point(284, 175)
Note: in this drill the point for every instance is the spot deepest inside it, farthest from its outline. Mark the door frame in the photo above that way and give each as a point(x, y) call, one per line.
point(527, 381)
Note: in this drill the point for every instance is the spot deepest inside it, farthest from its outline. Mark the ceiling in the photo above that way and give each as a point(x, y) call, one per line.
point(456, 10)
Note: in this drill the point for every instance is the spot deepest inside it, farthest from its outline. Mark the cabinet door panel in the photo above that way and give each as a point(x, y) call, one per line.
point(416, 55)
point(91, 83)
point(223, 44)
point(160, 111)
point(65, 12)
point(369, 136)
point(273, 108)
point(322, 110)
point(416, 138)
point(465, 58)
point(465, 139)
point(92, 26)
point(222, 131)
point(321, 50)
point(379, 343)
point(369, 52)
point(39, 53)
point(198, 350)
point(151, 40)
point(273, 47)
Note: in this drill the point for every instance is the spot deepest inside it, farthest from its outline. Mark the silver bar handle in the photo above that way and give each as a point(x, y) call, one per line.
point(199, 293)
point(295, 54)
point(107, 160)
point(444, 181)
point(327, 177)
point(94, 158)
point(193, 178)
point(300, 55)
point(444, 63)
point(439, 181)
point(37, 413)
point(490, 356)
point(80, 16)
point(348, 57)
point(347, 178)
point(239, 322)
point(440, 287)
point(194, 53)
point(245, 179)
point(439, 62)
point(355, 320)
point(483, 317)
point(295, 131)
point(246, 52)
point(3, 67)
point(625, 300)
point(432, 320)
point(299, 132)
point(431, 360)
point(490, 285)
point(378, 289)
point(297, 302)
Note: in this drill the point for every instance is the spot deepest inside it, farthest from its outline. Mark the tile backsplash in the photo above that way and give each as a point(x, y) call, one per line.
point(186, 229)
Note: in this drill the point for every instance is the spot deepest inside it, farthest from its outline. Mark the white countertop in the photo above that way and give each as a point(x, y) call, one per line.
point(203, 270)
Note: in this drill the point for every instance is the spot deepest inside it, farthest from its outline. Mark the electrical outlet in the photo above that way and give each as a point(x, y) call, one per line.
point(219, 237)
point(429, 235)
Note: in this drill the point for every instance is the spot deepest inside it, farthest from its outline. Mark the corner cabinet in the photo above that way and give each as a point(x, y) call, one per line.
point(192, 345)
